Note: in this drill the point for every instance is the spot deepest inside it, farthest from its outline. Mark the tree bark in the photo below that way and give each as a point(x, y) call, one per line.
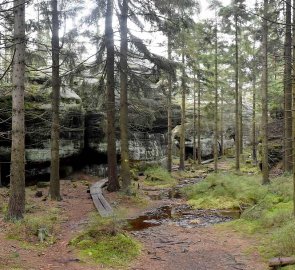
point(16, 206)
point(237, 122)
point(216, 100)
point(241, 117)
point(221, 124)
point(254, 141)
point(195, 124)
point(199, 120)
point(169, 111)
point(55, 128)
point(111, 117)
point(125, 169)
point(264, 97)
point(182, 130)
point(288, 91)
point(293, 106)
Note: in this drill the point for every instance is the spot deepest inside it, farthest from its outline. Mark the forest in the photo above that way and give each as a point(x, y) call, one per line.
point(147, 134)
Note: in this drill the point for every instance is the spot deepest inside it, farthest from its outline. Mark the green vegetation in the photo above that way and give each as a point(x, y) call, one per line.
point(158, 176)
point(35, 228)
point(103, 242)
point(225, 191)
point(266, 210)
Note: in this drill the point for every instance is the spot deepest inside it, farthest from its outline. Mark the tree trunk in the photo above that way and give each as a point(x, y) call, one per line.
point(237, 122)
point(221, 124)
point(182, 130)
point(125, 170)
point(241, 117)
point(55, 128)
point(0, 174)
point(293, 106)
point(195, 124)
point(216, 101)
point(288, 91)
point(111, 109)
point(199, 120)
point(169, 112)
point(264, 97)
point(16, 206)
point(254, 141)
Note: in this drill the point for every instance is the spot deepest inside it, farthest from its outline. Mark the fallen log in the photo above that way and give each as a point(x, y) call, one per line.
point(276, 263)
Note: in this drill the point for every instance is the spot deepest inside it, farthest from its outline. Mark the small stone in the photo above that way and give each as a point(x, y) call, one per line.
point(195, 221)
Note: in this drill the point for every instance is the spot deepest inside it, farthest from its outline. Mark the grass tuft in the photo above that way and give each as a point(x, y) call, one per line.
point(104, 242)
point(267, 210)
point(226, 191)
point(158, 176)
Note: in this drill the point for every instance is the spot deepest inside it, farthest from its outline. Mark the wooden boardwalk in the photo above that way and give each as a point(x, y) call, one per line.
point(101, 204)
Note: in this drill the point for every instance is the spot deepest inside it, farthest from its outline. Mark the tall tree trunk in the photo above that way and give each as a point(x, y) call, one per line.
point(194, 124)
point(241, 117)
point(0, 174)
point(169, 112)
point(17, 171)
point(288, 91)
point(221, 123)
point(254, 141)
point(125, 170)
point(199, 120)
point(293, 105)
point(182, 130)
point(111, 109)
point(216, 100)
point(237, 122)
point(264, 97)
point(55, 128)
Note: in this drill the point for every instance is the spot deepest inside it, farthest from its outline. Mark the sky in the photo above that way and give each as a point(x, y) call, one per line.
point(157, 42)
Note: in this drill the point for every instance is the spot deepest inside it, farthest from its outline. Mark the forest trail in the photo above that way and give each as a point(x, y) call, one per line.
point(169, 247)
point(166, 246)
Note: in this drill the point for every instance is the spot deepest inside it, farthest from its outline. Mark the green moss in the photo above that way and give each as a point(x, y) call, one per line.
point(243, 226)
point(157, 176)
point(103, 242)
point(36, 228)
point(115, 251)
point(267, 210)
point(226, 191)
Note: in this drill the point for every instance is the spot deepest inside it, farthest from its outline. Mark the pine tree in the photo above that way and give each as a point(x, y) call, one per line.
point(264, 97)
point(111, 117)
point(55, 128)
point(17, 170)
point(125, 170)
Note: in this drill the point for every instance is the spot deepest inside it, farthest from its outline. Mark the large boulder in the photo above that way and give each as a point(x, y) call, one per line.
point(147, 130)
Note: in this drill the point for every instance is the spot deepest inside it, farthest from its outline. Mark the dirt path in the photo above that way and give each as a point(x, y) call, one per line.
point(75, 209)
point(175, 248)
point(167, 246)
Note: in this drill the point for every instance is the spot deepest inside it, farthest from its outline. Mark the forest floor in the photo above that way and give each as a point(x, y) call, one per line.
point(165, 246)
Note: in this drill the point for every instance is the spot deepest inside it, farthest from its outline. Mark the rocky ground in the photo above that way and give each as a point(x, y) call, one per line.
point(178, 238)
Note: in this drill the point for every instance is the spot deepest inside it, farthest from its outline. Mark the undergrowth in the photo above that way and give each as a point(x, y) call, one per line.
point(104, 242)
point(158, 176)
point(36, 228)
point(267, 211)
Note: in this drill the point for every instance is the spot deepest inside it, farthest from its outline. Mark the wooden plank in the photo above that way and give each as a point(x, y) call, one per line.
point(99, 201)
point(281, 261)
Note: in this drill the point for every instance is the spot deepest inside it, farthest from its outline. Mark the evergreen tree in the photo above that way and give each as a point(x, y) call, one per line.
point(17, 170)
point(111, 113)
point(55, 127)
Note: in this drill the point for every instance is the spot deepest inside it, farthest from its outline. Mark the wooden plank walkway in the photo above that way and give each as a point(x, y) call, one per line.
point(101, 204)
